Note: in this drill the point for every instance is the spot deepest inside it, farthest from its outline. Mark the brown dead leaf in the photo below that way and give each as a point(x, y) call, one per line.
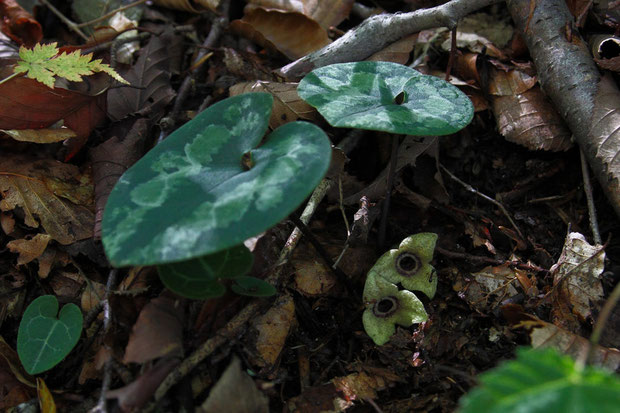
point(24, 185)
point(326, 13)
point(40, 135)
point(136, 394)
point(543, 334)
point(530, 120)
point(158, 332)
point(10, 357)
point(46, 400)
point(225, 394)
point(29, 249)
point(576, 277)
point(488, 287)
point(287, 105)
point(272, 329)
point(92, 295)
point(18, 24)
point(397, 52)
point(312, 277)
point(290, 33)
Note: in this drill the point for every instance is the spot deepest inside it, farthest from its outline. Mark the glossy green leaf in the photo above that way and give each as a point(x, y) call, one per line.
point(253, 287)
point(387, 97)
point(45, 336)
point(193, 194)
point(198, 278)
point(543, 382)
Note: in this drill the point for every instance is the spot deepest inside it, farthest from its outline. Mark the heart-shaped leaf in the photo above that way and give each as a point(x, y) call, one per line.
point(386, 96)
point(207, 187)
point(198, 278)
point(45, 336)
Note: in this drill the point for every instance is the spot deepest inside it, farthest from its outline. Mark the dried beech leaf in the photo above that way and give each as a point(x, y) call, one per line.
point(509, 83)
point(290, 33)
point(576, 275)
point(326, 13)
point(194, 6)
point(24, 184)
point(397, 52)
point(530, 120)
point(287, 105)
point(543, 334)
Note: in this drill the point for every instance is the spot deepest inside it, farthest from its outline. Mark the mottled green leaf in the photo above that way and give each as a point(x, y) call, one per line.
point(543, 382)
point(198, 278)
point(253, 287)
point(193, 194)
point(386, 96)
point(45, 336)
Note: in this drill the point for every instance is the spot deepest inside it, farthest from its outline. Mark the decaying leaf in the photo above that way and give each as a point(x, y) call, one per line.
point(292, 34)
point(23, 185)
point(40, 135)
point(18, 24)
point(488, 287)
point(576, 276)
point(225, 394)
point(287, 105)
point(158, 332)
point(326, 13)
point(543, 334)
point(397, 52)
point(151, 77)
point(272, 328)
point(29, 249)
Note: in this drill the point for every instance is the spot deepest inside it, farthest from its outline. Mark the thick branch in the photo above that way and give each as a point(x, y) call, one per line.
point(569, 76)
point(377, 32)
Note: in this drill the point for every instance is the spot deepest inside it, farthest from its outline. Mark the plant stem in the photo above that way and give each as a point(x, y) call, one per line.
point(110, 14)
point(390, 184)
point(6, 79)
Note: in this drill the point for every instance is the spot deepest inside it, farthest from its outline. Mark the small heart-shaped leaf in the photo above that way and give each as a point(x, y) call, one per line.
point(253, 287)
point(45, 336)
point(386, 96)
point(208, 186)
point(198, 278)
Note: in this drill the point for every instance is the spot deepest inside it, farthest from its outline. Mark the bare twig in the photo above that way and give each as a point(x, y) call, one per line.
point(378, 31)
point(112, 13)
point(483, 196)
point(587, 188)
point(70, 24)
point(611, 302)
point(487, 260)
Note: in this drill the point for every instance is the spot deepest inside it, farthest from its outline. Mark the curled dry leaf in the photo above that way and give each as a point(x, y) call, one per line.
point(24, 184)
point(326, 13)
point(524, 114)
point(543, 334)
point(29, 249)
point(18, 24)
point(194, 6)
point(287, 105)
point(290, 33)
point(40, 135)
point(576, 276)
point(397, 52)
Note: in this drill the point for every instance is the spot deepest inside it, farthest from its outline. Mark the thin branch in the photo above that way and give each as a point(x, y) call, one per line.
point(70, 24)
point(112, 13)
point(376, 32)
point(587, 188)
point(483, 196)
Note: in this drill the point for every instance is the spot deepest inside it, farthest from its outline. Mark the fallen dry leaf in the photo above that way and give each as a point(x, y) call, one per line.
point(225, 394)
point(23, 185)
point(326, 13)
point(576, 276)
point(18, 24)
point(46, 400)
point(272, 329)
point(29, 249)
point(194, 6)
point(287, 105)
point(397, 52)
point(40, 135)
point(158, 332)
point(290, 33)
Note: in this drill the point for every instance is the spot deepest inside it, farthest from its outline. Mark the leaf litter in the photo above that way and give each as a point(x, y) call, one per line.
point(306, 349)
